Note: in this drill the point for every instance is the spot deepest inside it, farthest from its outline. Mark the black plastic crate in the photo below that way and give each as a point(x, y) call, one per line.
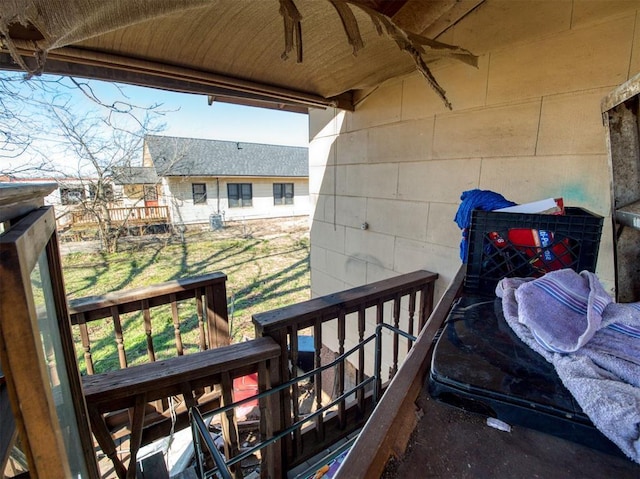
point(528, 245)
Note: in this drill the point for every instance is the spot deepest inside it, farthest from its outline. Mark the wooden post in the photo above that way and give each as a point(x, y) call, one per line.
point(202, 342)
point(176, 324)
point(396, 338)
point(147, 329)
point(86, 344)
point(230, 426)
point(412, 312)
point(341, 368)
point(117, 326)
point(217, 316)
point(317, 343)
point(361, 328)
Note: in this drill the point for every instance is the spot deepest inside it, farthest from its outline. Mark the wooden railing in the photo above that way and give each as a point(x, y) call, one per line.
point(387, 432)
point(134, 215)
point(403, 302)
point(137, 400)
point(134, 388)
point(207, 294)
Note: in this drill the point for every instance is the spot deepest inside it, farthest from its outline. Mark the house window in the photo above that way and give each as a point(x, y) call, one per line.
point(72, 196)
point(283, 193)
point(240, 195)
point(199, 191)
point(151, 193)
point(107, 192)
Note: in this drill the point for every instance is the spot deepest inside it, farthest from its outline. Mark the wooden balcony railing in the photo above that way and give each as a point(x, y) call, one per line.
point(387, 432)
point(403, 302)
point(138, 400)
point(208, 298)
point(134, 388)
point(134, 215)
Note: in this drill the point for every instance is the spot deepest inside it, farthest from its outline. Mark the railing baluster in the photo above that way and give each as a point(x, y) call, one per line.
point(341, 368)
point(202, 342)
point(143, 299)
point(117, 326)
point(86, 344)
point(361, 353)
point(146, 314)
point(317, 380)
point(412, 311)
point(230, 425)
point(380, 312)
point(285, 375)
point(396, 339)
point(378, 353)
point(295, 390)
point(426, 304)
point(176, 324)
point(266, 423)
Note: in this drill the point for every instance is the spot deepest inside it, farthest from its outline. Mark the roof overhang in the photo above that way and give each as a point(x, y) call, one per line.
point(286, 54)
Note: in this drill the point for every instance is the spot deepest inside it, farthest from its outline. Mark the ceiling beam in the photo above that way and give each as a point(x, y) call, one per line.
point(88, 64)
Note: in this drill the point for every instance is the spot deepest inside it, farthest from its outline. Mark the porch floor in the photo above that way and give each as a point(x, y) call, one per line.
point(448, 442)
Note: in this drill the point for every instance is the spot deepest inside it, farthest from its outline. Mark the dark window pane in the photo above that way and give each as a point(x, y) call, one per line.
point(233, 195)
point(239, 194)
point(199, 191)
point(71, 196)
point(151, 193)
point(277, 193)
point(283, 193)
point(288, 193)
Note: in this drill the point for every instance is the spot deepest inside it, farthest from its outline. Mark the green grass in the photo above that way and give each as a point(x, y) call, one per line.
point(262, 274)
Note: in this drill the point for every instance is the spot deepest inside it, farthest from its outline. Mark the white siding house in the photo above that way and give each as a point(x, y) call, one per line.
point(238, 181)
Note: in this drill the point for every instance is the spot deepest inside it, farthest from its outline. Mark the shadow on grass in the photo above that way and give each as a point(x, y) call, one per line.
point(272, 286)
point(278, 284)
point(103, 268)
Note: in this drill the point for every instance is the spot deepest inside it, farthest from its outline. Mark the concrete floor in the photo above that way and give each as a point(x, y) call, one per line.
point(452, 443)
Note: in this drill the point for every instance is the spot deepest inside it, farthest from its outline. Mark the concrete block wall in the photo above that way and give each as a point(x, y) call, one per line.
point(525, 123)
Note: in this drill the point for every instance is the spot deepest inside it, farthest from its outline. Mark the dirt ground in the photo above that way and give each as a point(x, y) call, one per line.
point(262, 228)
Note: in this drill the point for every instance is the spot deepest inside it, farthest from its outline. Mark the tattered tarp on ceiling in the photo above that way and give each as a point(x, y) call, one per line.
point(296, 53)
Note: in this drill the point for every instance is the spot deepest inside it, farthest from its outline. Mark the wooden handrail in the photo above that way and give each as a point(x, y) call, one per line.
point(303, 314)
point(136, 387)
point(208, 291)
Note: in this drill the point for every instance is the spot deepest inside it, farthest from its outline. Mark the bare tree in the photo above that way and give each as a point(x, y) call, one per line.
point(60, 127)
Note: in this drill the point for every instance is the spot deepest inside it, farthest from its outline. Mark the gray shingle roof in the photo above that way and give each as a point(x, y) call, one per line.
point(135, 175)
point(174, 156)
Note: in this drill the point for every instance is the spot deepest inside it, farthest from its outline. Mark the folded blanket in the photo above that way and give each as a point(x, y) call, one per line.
point(562, 310)
point(593, 343)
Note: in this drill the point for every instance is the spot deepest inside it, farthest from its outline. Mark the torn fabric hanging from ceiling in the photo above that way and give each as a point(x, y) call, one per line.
point(410, 43)
point(234, 50)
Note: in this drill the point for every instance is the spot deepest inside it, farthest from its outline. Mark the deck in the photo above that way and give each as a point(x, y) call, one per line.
point(449, 442)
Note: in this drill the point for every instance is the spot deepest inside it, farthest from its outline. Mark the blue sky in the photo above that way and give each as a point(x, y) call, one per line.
point(185, 115)
point(191, 116)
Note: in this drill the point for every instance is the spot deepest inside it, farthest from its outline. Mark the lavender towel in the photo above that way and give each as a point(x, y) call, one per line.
point(593, 343)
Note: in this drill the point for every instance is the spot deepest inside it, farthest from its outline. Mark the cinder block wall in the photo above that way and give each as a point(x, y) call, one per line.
point(525, 123)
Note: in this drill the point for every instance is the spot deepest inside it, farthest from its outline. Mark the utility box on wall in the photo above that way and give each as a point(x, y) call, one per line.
point(620, 115)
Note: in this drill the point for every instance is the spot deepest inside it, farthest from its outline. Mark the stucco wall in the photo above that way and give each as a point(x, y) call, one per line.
point(179, 197)
point(526, 123)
